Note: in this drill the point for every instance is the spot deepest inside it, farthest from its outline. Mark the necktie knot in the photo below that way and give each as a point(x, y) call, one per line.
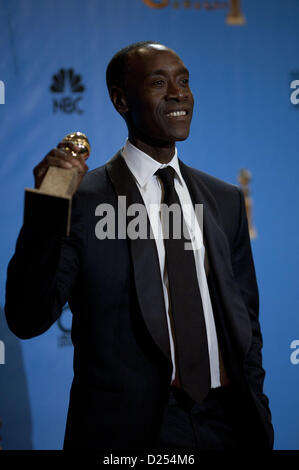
point(166, 175)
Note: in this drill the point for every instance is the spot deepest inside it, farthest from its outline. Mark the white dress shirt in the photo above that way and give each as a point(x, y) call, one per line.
point(143, 168)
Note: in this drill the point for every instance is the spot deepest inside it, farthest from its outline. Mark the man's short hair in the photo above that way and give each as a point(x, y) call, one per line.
point(117, 68)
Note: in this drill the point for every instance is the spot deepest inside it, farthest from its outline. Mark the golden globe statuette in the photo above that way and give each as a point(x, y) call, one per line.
point(58, 186)
point(244, 178)
point(235, 15)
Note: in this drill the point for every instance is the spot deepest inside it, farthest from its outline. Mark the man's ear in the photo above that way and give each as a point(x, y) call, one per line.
point(119, 99)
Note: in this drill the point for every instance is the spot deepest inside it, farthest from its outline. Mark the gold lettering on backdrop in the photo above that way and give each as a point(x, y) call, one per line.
point(155, 4)
point(235, 15)
point(206, 5)
point(244, 178)
point(210, 6)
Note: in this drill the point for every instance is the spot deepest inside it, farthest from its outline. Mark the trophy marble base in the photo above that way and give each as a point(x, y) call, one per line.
point(53, 200)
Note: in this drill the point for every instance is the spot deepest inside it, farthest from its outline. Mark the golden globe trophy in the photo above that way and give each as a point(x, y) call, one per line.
point(58, 187)
point(235, 15)
point(244, 178)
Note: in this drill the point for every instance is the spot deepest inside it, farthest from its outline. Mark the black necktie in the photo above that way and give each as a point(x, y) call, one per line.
point(192, 357)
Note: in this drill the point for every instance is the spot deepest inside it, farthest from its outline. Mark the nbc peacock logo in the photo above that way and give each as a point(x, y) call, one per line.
point(69, 84)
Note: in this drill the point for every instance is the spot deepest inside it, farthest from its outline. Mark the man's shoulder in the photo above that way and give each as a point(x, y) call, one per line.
point(225, 198)
point(213, 183)
point(94, 189)
point(94, 182)
point(97, 180)
point(94, 178)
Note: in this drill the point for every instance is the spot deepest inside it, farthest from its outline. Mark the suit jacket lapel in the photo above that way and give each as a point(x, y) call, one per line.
point(145, 260)
point(220, 259)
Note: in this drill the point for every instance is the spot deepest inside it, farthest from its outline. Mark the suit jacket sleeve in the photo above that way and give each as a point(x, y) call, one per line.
point(244, 272)
point(42, 272)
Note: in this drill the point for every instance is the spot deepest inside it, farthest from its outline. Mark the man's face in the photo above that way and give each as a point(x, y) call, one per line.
point(160, 102)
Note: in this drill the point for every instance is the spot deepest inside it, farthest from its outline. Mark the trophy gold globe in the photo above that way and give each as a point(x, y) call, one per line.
point(81, 141)
point(59, 184)
point(244, 178)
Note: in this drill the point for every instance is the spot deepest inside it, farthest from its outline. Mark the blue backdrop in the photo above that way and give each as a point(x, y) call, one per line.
point(244, 79)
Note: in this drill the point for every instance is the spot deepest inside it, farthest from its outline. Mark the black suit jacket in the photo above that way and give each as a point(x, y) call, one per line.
point(122, 365)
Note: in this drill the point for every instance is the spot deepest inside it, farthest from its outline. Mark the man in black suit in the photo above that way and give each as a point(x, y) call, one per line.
point(167, 341)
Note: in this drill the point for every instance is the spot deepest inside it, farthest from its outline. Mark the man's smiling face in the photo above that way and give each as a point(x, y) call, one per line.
point(159, 100)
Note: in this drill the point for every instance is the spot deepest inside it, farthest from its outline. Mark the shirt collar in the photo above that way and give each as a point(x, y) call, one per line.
point(143, 166)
